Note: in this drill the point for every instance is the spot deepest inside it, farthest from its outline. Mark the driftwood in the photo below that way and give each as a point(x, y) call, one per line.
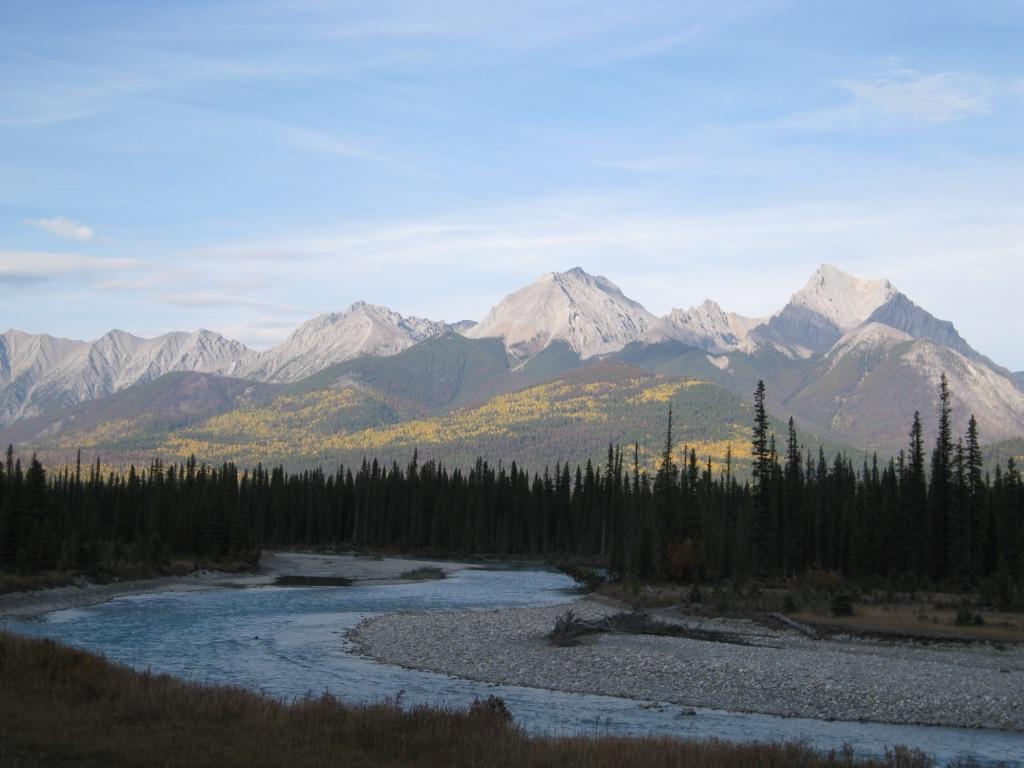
point(801, 628)
point(569, 628)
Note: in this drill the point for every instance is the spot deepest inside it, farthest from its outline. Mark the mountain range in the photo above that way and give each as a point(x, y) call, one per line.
point(849, 359)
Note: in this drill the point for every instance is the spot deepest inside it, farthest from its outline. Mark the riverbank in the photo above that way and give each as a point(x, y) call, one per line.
point(272, 566)
point(771, 671)
point(63, 707)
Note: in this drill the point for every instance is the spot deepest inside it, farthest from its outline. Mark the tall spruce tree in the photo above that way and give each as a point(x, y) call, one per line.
point(940, 492)
point(915, 499)
point(665, 492)
point(762, 472)
point(977, 513)
point(792, 503)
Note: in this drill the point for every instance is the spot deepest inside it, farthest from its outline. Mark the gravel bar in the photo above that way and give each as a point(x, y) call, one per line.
point(781, 673)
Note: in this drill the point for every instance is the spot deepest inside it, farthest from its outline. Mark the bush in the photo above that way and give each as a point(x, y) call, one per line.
point(492, 709)
point(818, 579)
point(842, 604)
point(586, 578)
point(967, 617)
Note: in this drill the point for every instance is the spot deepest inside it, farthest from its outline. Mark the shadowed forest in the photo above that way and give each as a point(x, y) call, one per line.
point(925, 517)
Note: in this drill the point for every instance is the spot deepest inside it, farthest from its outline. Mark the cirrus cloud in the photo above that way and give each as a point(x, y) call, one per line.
point(935, 98)
point(29, 266)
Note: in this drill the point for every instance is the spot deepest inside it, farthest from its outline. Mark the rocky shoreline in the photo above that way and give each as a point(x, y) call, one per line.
point(775, 671)
point(273, 566)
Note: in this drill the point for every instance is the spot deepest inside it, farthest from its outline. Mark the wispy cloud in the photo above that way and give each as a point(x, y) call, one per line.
point(62, 227)
point(934, 98)
point(651, 164)
point(41, 265)
point(655, 46)
point(215, 298)
point(313, 141)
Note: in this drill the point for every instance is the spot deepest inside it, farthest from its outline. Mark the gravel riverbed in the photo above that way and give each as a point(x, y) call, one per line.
point(361, 570)
point(780, 672)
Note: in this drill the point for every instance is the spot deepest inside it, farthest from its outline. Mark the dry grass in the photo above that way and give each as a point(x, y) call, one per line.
point(16, 582)
point(647, 596)
point(922, 621)
point(118, 571)
point(924, 616)
point(63, 707)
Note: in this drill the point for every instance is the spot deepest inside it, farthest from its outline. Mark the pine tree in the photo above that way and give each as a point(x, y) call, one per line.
point(940, 492)
point(764, 544)
point(792, 503)
point(977, 514)
point(665, 491)
point(959, 530)
point(914, 495)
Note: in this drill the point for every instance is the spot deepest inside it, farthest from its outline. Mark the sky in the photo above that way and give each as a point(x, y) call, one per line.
point(243, 166)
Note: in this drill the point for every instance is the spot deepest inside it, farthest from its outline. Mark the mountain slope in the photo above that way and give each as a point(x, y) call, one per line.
point(866, 389)
point(830, 303)
point(569, 418)
point(904, 315)
point(706, 327)
point(847, 358)
point(590, 314)
point(128, 419)
point(41, 373)
point(434, 375)
point(361, 330)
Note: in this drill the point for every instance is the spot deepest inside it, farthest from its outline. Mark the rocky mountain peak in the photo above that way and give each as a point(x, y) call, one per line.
point(589, 313)
point(846, 301)
point(330, 338)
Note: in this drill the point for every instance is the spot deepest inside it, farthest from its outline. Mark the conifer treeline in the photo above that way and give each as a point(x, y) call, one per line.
point(948, 524)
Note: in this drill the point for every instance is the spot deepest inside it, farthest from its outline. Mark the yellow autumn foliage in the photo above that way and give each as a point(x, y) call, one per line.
point(663, 393)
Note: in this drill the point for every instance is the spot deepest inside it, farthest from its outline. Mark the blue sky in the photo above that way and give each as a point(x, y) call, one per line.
point(243, 166)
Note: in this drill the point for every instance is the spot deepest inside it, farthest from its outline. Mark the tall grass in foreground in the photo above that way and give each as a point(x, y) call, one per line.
point(64, 707)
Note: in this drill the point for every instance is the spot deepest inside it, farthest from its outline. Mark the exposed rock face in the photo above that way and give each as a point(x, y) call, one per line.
point(705, 326)
point(870, 383)
point(844, 300)
point(39, 372)
point(851, 358)
point(830, 303)
point(462, 326)
point(900, 312)
point(361, 330)
point(176, 400)
point(589, 313)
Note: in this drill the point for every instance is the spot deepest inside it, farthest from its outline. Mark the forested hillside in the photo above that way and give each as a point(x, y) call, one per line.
point(336, 417)
point(935, 519)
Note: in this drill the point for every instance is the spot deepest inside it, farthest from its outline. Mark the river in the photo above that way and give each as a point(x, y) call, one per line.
point(288, 642)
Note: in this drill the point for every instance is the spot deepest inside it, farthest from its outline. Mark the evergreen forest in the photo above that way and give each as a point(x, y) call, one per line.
point(928, 516)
